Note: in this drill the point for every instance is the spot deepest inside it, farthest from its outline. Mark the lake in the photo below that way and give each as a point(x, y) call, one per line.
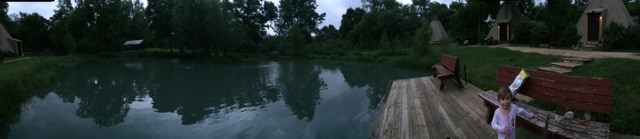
point(172, 98)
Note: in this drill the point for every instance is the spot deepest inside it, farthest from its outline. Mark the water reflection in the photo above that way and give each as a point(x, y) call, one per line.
point(104, 90)
point(323, 96)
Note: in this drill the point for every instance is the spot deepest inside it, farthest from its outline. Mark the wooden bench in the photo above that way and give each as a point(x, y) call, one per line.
point(448, 67)
point(588, 94)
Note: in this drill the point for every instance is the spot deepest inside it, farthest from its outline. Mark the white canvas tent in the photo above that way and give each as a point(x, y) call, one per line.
point(9, 44)
point(598, 15)
point(438, 33)
point(508, 17)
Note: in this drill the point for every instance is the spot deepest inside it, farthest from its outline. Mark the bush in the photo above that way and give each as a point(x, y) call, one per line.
point(616, 36)
point(569, 36)
point(422, 40)
point(612, 36)
point(531, 32)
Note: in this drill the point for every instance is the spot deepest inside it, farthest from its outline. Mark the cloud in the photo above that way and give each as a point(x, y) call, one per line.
point(334, 10)
point(45, 9)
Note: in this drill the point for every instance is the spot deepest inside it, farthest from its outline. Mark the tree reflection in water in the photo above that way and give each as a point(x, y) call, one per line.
point(104, 89)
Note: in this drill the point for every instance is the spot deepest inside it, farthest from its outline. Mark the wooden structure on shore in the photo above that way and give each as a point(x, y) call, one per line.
point(417, 108)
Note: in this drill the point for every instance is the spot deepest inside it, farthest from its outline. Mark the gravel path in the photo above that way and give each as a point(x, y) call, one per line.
point(571, 53)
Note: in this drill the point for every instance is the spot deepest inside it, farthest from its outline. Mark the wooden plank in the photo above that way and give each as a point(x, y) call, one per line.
point(428, 109)
point(442, 71)
point(444, 116)
point(439, 125)
point(420, 124)
point(586, 81)
point(404, 117)
point(571, 87)
point(536, 85)
point(386, 130)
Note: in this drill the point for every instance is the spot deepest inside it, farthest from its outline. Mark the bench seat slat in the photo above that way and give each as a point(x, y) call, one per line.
point(442, 71)
point(584, 81)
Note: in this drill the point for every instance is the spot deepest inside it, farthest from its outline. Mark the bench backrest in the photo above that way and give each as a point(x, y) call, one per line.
point(575, 92)
point(450, 62)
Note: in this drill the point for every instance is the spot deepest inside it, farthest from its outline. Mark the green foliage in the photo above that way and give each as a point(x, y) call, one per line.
point(531, 32)
point(613, 36)
point(422, 39)
point(32, 28)
point(251, 17)
point(466, 20)
point(616, 36)
point(350, 19)
point(294, 43)
point(569, 37)
point(369, 31)
point(559, 15)
point(210, 34)
point(327, 33)
point(159, 12)
point(298, 14)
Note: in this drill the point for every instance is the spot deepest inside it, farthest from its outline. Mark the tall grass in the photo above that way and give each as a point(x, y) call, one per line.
point(19, 79)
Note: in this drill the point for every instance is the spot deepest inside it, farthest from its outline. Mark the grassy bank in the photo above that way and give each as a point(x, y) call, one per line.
point(20, 78)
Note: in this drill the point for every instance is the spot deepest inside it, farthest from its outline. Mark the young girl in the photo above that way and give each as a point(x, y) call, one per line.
point(504, 118)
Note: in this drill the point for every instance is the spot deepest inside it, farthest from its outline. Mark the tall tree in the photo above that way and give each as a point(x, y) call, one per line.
point(350, 19)
point(327, 33)
point(139, 22)
point(301, 14)
point(61, 37)
point(159, 13)
point(4, 18)
point(209, 31)
point(253, 16)
point(525, 6)
point(33, 30)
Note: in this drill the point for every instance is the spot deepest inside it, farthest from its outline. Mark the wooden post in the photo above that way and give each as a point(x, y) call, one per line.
point(465, 73)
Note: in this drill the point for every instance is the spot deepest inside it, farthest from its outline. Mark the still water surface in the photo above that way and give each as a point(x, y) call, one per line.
point(171, 98)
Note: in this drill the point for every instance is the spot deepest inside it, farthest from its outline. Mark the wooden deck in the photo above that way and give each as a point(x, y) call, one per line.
point(417, 108)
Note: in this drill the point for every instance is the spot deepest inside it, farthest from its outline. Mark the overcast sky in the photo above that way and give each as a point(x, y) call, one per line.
point(333, 8)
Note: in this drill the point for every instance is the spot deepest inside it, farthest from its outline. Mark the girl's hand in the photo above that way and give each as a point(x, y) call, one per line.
point(505, 129)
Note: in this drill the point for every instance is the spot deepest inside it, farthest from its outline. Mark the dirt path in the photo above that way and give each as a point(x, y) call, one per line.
point(7, 61)
point(571, 53)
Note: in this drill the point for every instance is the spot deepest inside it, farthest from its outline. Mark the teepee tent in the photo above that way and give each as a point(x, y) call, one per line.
point(598, 15)
point(508, 17)
point(9, 44)
point(438, 33)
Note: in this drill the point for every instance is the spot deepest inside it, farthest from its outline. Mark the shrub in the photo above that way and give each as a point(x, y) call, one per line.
point(613, 36)
point(531, 32)
point(569, 36)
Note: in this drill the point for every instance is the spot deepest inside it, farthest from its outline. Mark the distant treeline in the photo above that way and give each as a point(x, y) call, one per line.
point(214, 26)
